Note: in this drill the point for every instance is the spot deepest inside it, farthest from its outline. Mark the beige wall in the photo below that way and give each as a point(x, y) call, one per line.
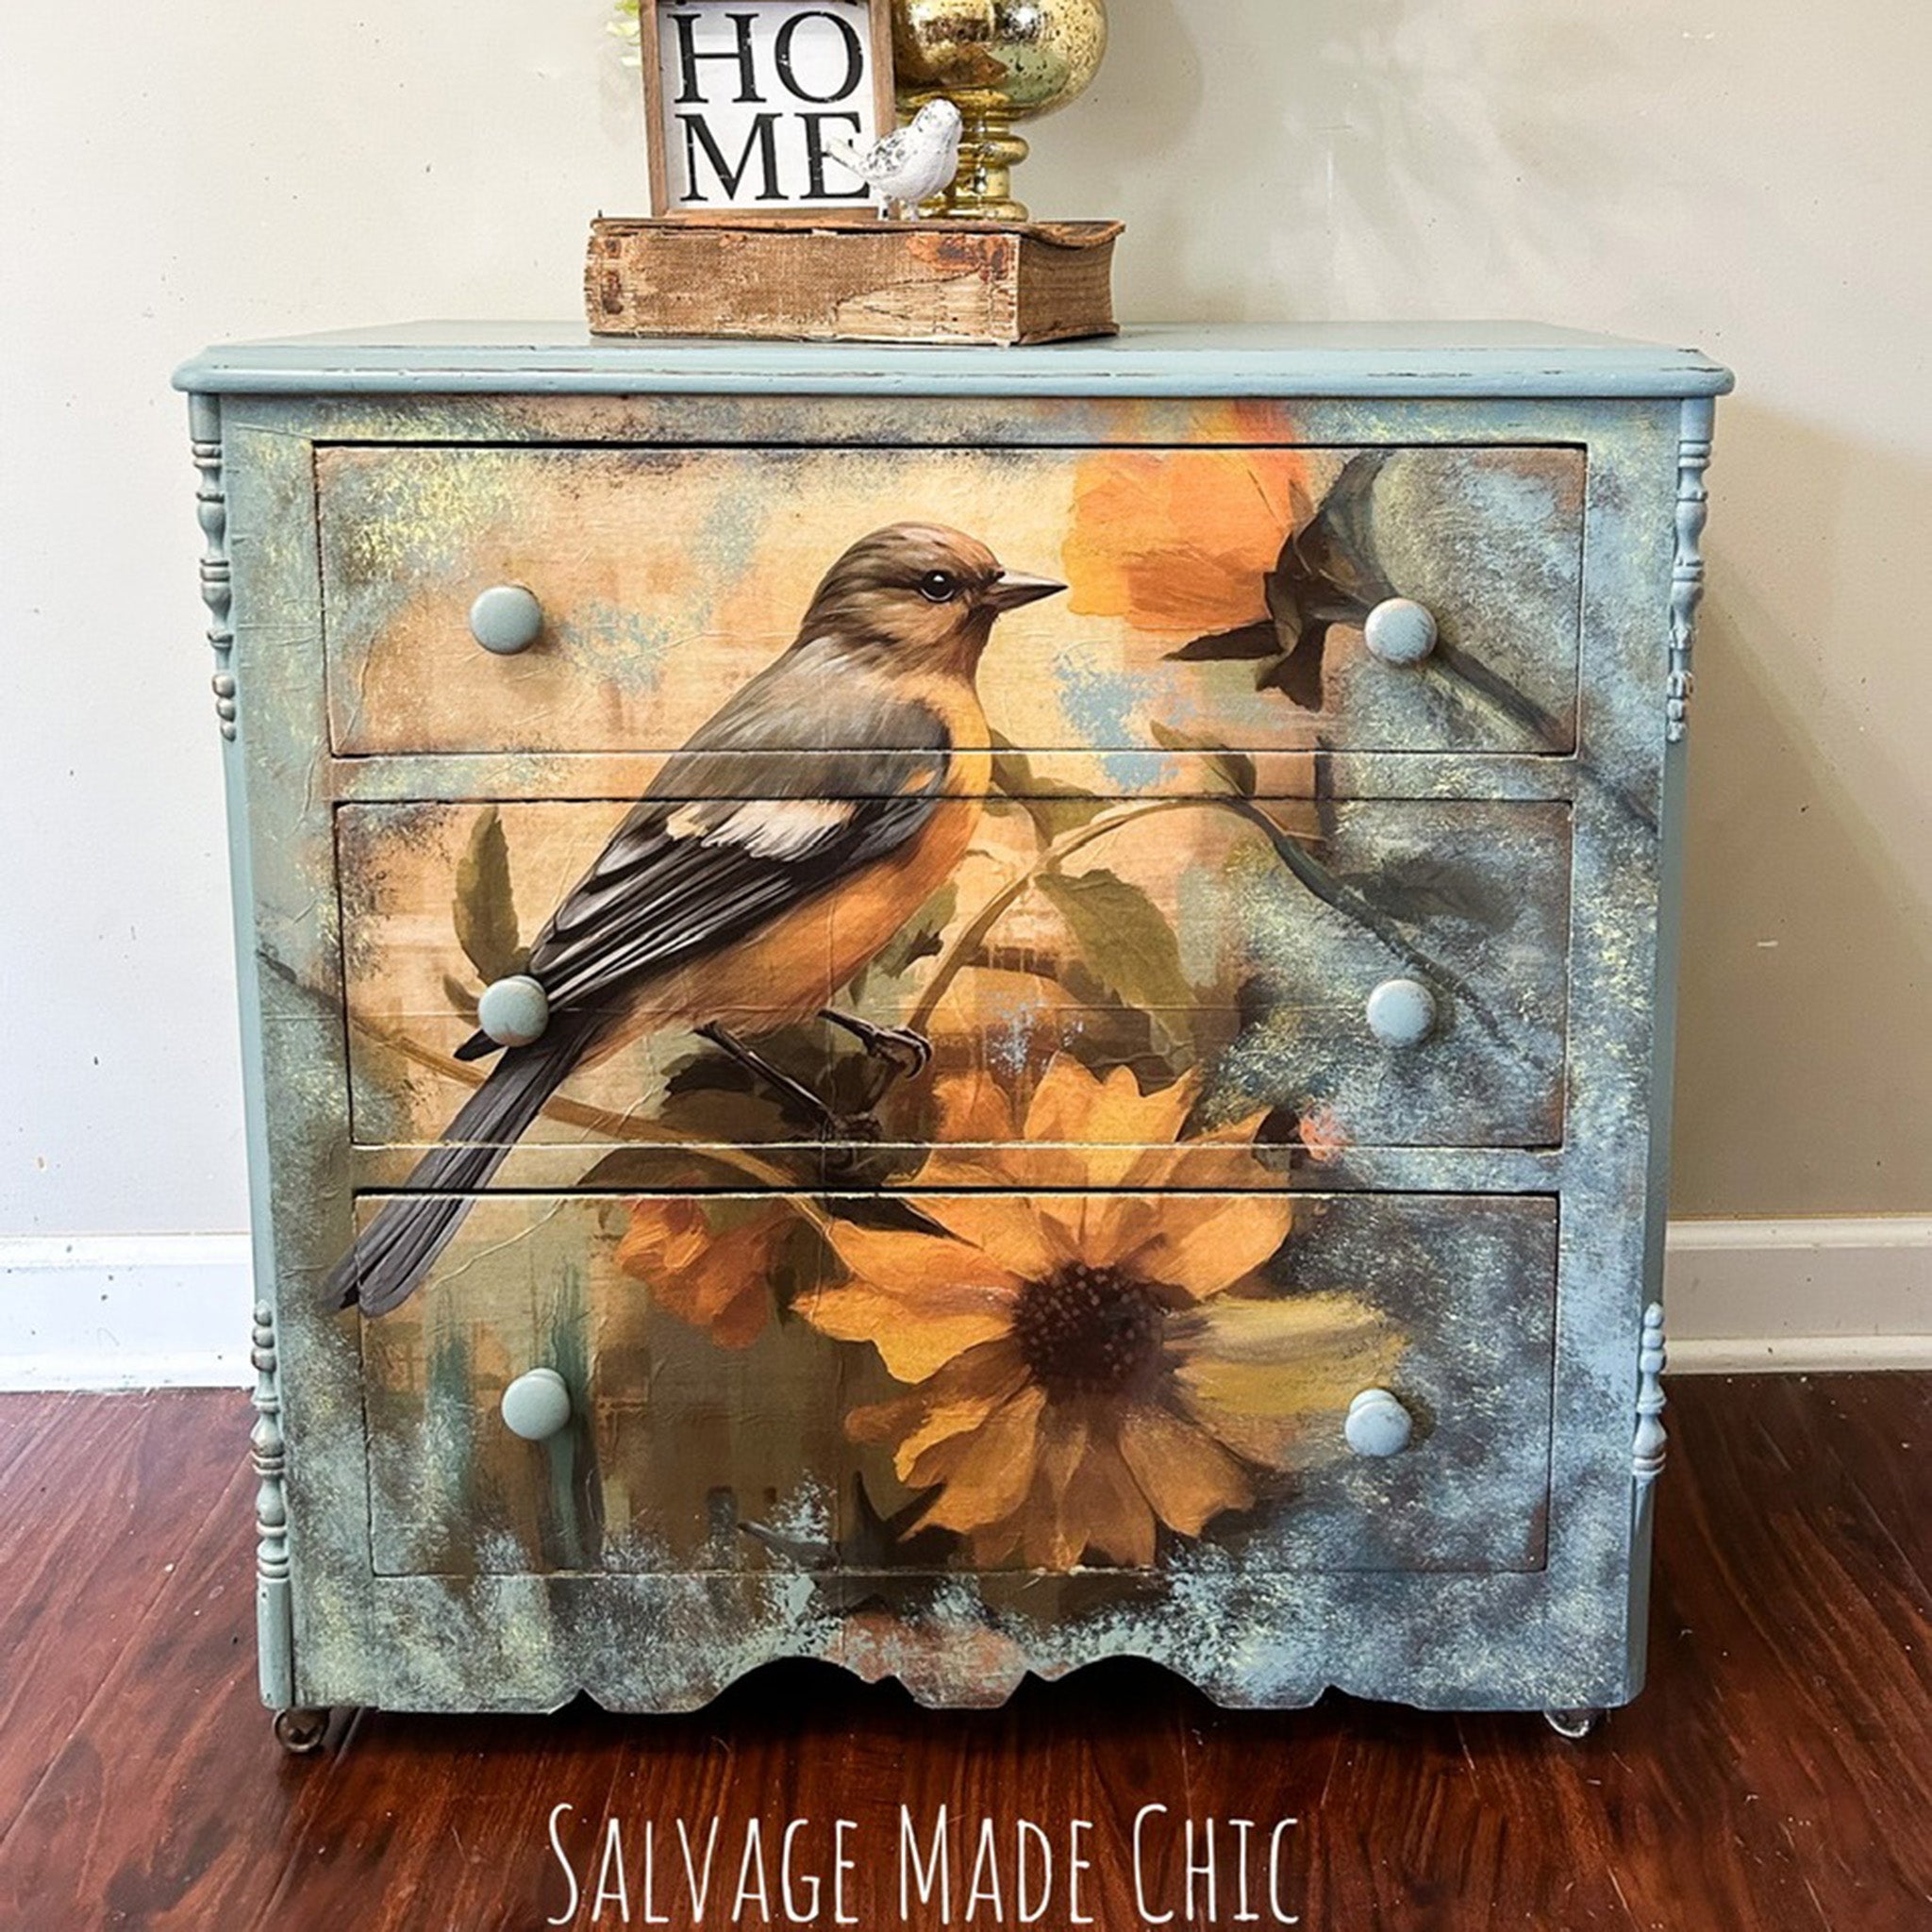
point(1750, 177)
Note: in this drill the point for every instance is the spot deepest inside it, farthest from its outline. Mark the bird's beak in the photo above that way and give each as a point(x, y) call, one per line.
point(1009, 590)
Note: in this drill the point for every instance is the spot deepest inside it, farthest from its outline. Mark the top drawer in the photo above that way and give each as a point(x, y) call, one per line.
point(1217, 594)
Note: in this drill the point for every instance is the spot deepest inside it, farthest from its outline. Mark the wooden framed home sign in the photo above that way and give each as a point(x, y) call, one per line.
point(741, 97)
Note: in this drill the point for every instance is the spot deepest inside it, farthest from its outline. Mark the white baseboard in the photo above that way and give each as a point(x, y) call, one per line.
point(1845, 1292)
point(146, 1312)
point(124, 1311)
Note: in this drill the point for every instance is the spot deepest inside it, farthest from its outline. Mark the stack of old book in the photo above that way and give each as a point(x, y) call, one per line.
point(851, 277)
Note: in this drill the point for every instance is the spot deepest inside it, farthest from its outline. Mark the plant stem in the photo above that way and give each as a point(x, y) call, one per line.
point(1311, 873)
point(969, 938)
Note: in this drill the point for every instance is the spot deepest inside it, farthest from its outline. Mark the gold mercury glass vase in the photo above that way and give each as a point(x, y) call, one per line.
point(999, 61)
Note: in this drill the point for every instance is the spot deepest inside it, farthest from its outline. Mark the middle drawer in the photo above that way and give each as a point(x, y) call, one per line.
point(1376, 973)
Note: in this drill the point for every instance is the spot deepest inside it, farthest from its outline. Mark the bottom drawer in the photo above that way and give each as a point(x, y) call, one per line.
point(970, 1382)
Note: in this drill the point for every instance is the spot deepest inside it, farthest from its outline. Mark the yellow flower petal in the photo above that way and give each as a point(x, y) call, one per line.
point(1048, 1542)
point(1215, 1159)
point(1273, 1380)
point(1106, 1508)
point(1102, 1230)
point(919, 1299)
point(973, 1106)
point(991, 1474)
point(1064, 1430)
point(1071, 1107)
point(958, 1398)
point(1181, 547)
point(663, 1234)
point(1188, 1476)
point(991, 1545)
point(921, 1267)
point(1202, 1243)
point(1004, 1228)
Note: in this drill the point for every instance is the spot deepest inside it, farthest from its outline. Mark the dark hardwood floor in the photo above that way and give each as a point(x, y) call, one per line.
point(1777, 1772)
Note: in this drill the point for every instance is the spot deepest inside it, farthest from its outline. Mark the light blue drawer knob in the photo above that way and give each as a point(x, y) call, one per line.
point(537, 1405)
point(1399, 631)
point(1377, 1424)
point(1401, 1012)
point(507, 619)
point(513, 1011)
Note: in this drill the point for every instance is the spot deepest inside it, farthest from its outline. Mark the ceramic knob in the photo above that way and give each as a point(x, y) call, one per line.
point(1401, 1012)
point(1378, 1424)
point(537, 1405)
point(507, 619)
point(513, 1011)
point(1399, 631)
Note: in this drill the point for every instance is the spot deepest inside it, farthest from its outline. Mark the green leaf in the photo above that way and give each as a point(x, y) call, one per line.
point(1257, 639)
point(461, 1000)
point(1056, 808)
point(1127, 939)
point(1011, 773)
point(1235, 769)
point(646, 1169)
point(1054, 805)
point(484, 910)
point(918, 938)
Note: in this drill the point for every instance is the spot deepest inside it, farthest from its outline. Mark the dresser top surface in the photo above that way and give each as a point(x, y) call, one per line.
point(1311, 359)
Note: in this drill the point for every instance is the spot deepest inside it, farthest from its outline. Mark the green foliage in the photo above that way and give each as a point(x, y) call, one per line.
point(920, 936)
point(461, 1000)
point(485, 908)
point(712, 1095)
point(572, 1504)
point(623, 26)
point(1054, 805)
point(449, 1415)
point(1235, 769)
point(1243, 644)
point(1127, 942)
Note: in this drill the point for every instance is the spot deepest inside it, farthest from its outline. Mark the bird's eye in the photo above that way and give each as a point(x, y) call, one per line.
point(939, 586)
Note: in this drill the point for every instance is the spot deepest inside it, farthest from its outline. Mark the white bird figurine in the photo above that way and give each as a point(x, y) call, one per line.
point(903, 168)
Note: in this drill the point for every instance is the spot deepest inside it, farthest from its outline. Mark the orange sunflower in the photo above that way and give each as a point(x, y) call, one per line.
point(711, 1269)
point(1180, 544)
point(1087, 1366)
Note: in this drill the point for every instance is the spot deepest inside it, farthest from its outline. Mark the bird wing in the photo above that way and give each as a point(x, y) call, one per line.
point(890, 154)
point(744, 824)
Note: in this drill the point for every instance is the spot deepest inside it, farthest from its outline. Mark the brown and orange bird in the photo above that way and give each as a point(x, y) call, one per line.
point(772, 856)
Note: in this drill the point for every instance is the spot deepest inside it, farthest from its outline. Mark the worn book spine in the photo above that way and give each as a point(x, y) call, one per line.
point(852, 279)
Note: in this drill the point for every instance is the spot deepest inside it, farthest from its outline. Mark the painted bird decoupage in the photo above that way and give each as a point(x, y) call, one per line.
point(932, 1148)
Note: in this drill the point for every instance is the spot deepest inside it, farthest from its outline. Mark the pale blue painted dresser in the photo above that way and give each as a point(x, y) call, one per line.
point(1222, 1220)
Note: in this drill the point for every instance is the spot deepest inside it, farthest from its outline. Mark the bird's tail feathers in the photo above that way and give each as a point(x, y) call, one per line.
point(391, 1254)
point(844, 154)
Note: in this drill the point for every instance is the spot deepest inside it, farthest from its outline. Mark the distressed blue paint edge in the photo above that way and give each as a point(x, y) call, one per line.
point(314, 1679)
point(1211, 362)
point(1698, 423)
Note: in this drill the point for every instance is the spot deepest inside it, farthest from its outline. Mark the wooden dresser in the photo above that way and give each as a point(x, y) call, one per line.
point(1225, 782)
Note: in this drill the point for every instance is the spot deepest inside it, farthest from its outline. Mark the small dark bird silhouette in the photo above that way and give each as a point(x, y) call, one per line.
point(771, 857)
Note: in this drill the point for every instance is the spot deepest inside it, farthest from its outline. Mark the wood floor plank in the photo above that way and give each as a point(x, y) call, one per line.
point(1879, 1429)
point(81, 1564)
point(25, 1416)
point(169, 1770)
point(1777, 1772)
point(1132, 1733)
point(466, 1799)
point(1781, 1756)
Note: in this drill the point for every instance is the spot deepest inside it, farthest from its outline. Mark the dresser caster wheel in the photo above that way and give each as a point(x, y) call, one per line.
point(300, 1732)
point(1574, 1723)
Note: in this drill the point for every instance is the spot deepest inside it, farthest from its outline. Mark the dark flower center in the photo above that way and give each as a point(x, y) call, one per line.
point(1090, 1331)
